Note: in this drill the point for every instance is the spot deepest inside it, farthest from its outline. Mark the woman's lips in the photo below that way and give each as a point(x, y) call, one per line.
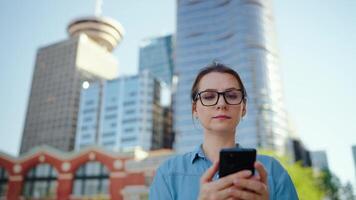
point(222, 117)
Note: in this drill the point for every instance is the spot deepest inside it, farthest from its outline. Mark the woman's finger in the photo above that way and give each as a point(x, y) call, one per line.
point(209, 174)
point(251, 185)
point(261, 171)
point(227, 181)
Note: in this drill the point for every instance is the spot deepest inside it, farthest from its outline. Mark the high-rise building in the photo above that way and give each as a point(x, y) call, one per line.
point(319, 160)
point(298, 152)
point(156, 55)
point(123, 114)
point(59, 72)
point(354, 157)
point(240, 34)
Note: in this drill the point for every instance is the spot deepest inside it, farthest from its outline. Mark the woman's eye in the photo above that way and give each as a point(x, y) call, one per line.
point(232, 95)
point(209, 96)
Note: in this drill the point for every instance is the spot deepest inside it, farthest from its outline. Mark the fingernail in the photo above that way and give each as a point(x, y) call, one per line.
point(248, 173)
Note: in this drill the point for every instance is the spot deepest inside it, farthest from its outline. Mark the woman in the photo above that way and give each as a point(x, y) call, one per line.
point(219, 103)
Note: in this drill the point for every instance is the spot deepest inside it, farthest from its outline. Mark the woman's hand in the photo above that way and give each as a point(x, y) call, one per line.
point(237, 186)
point(220, 189)
point(252, 188)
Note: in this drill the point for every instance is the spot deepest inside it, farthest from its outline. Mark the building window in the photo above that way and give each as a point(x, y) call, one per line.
point(127, 130)
point(130, 111)
point(40, 182)
point(128, 139)
point(91, 180)
point(3, 182)
point(90, 110)
point(128, 103)
point(111, 108)
point(129, 120)
point(88, 119)
point(113, 116)
point(89, 102)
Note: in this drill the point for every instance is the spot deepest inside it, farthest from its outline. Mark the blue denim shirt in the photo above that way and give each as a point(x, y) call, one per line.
point(178, 178)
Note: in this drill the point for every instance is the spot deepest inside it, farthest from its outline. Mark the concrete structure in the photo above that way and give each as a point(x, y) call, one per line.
point(124, 114)
point(60, 70)
point(240, 34)
point(91, 173)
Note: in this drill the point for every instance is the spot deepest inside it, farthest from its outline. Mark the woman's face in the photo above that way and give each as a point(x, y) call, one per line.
point(221, 117)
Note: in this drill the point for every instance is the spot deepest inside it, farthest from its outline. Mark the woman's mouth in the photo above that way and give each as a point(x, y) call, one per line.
point(221, 117)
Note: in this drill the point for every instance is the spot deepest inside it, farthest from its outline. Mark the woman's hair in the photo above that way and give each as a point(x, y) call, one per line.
point(216, 67)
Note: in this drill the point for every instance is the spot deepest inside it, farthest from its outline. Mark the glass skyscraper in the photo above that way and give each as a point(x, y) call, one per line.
point(60, 69)
point(156, 55)
point(319, 160)
point(122, 114)
point(240, 34)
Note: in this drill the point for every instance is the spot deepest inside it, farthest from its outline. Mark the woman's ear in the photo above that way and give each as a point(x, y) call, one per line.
point(244, 110)
point(194, 109)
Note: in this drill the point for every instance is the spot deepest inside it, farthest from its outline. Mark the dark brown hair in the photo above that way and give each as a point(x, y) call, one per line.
point(216, 67)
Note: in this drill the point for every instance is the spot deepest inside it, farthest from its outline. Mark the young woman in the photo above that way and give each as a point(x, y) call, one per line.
point(219, 103)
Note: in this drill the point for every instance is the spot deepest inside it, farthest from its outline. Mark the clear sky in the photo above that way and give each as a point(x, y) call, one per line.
point(316, 42)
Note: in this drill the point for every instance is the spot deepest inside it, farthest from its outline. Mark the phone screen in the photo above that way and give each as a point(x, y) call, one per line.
point(236, 159)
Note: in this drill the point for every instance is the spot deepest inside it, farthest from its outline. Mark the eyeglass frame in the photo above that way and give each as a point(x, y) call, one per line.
point(219, 93)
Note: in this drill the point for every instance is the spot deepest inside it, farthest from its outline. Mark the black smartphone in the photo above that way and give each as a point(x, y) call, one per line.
point(236, 159)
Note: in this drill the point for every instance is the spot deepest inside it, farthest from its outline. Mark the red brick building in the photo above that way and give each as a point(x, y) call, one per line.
point(63, 176)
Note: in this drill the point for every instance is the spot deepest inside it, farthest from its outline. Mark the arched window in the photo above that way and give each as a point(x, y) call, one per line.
point(3, 182)
point(91, 179)
point(40, 181)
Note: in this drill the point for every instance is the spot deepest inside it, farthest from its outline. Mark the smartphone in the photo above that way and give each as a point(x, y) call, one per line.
point(236, 159)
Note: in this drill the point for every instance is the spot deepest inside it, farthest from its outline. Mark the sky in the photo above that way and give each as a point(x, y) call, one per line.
point(316, 42)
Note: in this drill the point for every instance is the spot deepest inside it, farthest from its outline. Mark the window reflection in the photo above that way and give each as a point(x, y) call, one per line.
point(40, 182)
point(3, 182)
point(91, 180)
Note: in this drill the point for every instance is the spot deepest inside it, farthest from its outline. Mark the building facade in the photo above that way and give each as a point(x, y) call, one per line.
point(123, 114)
point(92, 173)
point(354, 158)
point(240, 34)
point(319, 160)
point(59, 72)
point(156, 55)
point(298, 152)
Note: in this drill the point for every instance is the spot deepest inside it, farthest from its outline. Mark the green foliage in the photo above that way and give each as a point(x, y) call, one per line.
point(330, 184)
point(306, 183)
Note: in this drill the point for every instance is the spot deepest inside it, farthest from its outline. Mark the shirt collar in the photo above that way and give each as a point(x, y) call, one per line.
point(199, 153)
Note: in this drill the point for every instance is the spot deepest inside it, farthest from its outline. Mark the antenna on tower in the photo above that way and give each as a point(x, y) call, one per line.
point(98, 7)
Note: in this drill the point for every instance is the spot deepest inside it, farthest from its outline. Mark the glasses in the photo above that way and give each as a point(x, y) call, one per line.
point(211, 98)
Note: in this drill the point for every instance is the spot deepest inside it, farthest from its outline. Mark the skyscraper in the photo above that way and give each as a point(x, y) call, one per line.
point(354, 157)
point(59, 72)
point(122, 114)
point(319, 160)
point(239, 33)
point(156, 55)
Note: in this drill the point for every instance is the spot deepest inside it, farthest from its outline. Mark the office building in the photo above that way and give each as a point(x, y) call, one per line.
point(123, 114)
point(59, 72)
point(156, 55)
point(354, 158)
point(319, 160)
point(240, 34)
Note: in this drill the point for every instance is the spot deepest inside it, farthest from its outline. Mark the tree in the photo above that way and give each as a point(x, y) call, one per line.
point(347, 192)
point(305, 182)
point(330, 184)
